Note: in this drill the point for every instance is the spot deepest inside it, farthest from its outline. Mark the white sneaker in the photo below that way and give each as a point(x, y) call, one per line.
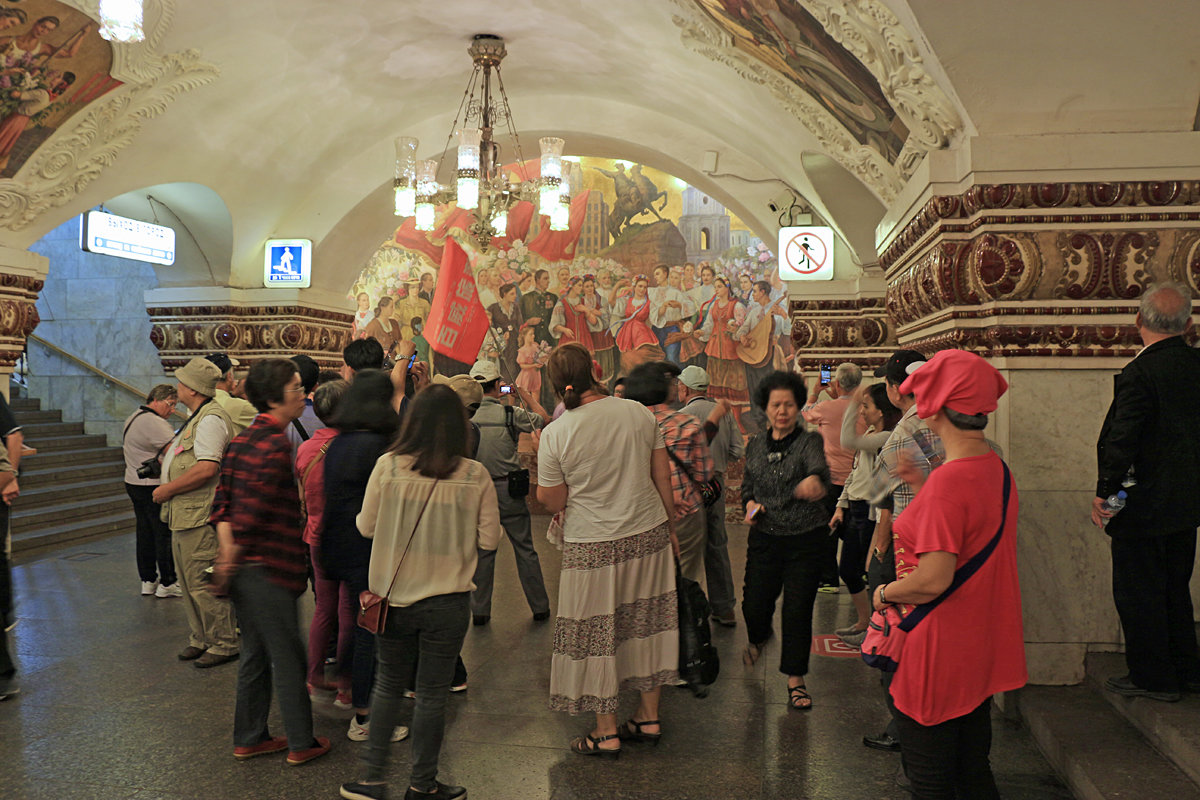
point(148, 588)
point(359, 733)
point(173, 590)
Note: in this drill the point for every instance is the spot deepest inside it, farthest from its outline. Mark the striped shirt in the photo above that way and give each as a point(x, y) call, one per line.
point(257, 496)
point(685, 439)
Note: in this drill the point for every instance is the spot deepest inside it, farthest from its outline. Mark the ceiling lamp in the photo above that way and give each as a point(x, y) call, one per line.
point(121, 20)
point(480, 185)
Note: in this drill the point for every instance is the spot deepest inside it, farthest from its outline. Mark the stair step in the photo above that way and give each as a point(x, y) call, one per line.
point(24, 519)
point(33, 475)
point(75, 532)
point(1173, 728)
point(60, 458)
point(1098, 753)
point(77, 442)
point(24, 404)
point(68, 489)
point(47, 430)
point(37, 417)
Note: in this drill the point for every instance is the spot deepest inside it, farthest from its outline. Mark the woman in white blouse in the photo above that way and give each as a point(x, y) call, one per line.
point(429, 508)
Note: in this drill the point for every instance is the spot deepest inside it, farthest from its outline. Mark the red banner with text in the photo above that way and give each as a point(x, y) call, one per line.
point(457, 321)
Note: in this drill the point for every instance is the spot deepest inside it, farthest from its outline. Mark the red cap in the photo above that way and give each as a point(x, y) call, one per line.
point(957, 380)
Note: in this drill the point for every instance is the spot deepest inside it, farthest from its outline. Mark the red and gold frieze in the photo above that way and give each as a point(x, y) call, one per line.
point(970, 269)
point(832, 331)
point(18, 315)
point(249, 332)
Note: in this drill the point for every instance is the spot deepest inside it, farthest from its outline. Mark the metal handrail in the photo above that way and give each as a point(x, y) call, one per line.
point(92, 368)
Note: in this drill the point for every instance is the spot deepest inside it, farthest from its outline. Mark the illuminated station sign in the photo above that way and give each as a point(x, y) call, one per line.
point(110, 235)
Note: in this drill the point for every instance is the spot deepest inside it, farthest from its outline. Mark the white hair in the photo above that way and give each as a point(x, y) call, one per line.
point(848, 376)
point(1166, 307)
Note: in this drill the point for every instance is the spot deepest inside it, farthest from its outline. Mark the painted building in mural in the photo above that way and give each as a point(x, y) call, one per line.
point(648, 271)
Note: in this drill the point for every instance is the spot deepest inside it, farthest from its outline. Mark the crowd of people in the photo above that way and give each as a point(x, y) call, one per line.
point(390, 484)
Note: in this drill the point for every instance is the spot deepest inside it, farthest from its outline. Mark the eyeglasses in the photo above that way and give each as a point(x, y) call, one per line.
point(294, 389)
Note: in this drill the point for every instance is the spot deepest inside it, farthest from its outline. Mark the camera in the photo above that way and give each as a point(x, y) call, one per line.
point(150, 468)
point(506, 389)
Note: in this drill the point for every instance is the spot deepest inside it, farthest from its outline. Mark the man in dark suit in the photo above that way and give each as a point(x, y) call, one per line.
point(1152, 435)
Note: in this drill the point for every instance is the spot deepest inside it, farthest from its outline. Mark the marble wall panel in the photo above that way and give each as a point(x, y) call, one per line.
point(1055, 664)
point(1054, 418)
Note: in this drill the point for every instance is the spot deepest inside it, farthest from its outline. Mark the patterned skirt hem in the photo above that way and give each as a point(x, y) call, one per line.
point(608, 705)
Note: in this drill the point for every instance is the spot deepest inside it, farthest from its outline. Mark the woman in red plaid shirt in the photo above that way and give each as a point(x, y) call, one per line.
point(262, 564)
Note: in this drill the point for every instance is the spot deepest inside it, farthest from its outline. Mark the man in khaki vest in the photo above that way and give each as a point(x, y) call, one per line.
point(189, 481)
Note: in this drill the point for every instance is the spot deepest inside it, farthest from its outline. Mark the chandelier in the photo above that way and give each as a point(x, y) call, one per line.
point(121, 20)
point(481, 184)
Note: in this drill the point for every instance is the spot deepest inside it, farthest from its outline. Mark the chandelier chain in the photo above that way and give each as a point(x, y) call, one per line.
point(512, 131)
point(465, 103)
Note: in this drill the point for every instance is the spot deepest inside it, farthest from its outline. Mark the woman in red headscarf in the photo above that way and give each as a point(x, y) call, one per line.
point(959, 531)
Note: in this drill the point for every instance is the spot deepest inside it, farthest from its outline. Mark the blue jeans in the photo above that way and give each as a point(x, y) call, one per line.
point(272, 652)
point(671, 350)
point(432, 629)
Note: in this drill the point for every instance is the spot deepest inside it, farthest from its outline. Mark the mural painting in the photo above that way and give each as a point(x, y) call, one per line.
point(52, 63)
point(652, 269)
point(782, 34)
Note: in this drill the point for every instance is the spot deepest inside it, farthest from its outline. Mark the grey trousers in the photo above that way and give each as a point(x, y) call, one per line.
point(419, 642)
point(689, 530)
point(272, 654)
point(721, 592)
point(514, 516)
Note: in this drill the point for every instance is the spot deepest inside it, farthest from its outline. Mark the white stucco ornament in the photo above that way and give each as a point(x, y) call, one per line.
point(83, 146)
point(878, 40)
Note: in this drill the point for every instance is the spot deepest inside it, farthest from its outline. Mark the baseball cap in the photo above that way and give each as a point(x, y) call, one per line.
point(468, 390)
point(957, 380)
point(900, 365)
point(484, 371)
point(694, 377)
point(223, 362)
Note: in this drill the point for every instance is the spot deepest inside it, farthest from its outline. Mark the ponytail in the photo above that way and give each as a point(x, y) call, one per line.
point(571, 398)
point(570, 370)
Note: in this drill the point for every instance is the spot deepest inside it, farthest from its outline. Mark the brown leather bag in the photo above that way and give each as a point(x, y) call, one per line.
point(373, 608)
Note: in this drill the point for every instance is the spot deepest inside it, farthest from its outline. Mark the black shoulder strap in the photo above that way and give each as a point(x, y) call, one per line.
point(508, 423)
point(141, 410)
point(963, 573)
point(300, 430)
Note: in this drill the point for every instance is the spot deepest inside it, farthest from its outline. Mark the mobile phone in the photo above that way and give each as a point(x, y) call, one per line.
point(826, 373)
point(412, 360)
point(506, 389)
point(754, 513)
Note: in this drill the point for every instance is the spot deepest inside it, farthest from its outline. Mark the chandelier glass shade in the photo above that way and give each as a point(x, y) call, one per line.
point(121, 20)
point(481, 184)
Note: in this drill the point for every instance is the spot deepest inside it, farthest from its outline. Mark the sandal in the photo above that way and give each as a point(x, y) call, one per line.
point(588, 745)
point(751, 653)
point(631, 731)
point(796, 697)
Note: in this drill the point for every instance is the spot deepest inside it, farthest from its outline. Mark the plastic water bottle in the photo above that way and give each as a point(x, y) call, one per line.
point(1114, 503)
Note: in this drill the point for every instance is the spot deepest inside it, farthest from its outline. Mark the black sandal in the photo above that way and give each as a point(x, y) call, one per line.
point(796, 695)
point(588, 745)
point(631, 731)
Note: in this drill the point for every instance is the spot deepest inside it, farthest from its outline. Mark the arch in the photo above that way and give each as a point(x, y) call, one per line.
point(705, 236)
point(853, 210)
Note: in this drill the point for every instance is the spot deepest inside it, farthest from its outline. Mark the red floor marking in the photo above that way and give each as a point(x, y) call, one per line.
point(832, 646)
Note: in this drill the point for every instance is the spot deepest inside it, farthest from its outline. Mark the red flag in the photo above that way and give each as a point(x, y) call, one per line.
point(457, 321)
point(560, 245)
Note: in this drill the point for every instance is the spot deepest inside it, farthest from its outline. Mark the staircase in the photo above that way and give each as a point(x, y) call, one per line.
point(72, 490)
point(1108, 747)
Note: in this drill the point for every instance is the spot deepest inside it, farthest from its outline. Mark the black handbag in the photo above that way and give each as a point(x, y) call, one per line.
point(699, 662)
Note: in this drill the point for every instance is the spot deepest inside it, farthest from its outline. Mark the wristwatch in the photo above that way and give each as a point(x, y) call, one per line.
point(882, 600)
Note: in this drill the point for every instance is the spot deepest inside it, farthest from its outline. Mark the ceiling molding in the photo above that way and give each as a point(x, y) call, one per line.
point(90, 140)
point(873, 35)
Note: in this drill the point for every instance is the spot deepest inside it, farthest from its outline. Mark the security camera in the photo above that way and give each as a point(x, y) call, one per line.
point(773, 206)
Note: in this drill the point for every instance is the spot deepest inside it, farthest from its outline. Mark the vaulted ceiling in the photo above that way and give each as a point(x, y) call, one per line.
point(295, 134)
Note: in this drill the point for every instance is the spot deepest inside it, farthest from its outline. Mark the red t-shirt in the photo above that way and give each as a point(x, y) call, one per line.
point(972, 645)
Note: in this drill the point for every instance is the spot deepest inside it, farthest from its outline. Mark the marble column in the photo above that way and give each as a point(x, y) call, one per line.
point(1044, 279)
point(22, 274)
point(247, 324)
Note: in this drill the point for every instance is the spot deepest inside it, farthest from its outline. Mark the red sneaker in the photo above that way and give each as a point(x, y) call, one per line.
point(299, 757)
point(272, 745)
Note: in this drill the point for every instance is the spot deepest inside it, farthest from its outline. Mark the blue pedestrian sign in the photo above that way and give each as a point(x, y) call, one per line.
point(288, 263)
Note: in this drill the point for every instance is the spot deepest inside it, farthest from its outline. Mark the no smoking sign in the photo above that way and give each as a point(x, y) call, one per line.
point(806, 254)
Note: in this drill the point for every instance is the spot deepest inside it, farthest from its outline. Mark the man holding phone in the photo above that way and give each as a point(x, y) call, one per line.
point(500, 427)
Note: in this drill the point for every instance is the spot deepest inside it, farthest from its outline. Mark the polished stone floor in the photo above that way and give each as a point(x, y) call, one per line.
point(106, 712)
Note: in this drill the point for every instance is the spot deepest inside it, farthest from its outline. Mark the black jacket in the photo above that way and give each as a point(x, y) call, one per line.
point(1153, 426)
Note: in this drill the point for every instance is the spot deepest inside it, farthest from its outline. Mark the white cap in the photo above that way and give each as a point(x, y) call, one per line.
point(485, 371)
point(694, 377)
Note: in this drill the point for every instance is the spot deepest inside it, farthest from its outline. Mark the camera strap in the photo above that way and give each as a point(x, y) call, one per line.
point(142, 410)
